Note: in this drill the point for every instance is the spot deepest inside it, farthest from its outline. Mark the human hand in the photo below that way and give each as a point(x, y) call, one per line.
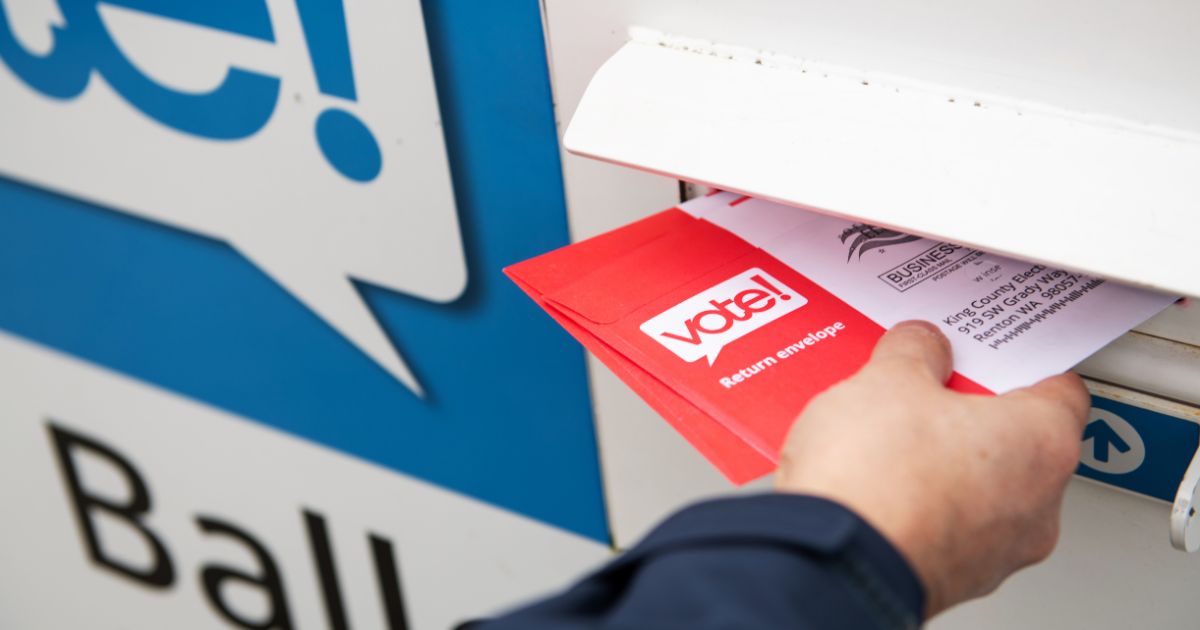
point(968, 488)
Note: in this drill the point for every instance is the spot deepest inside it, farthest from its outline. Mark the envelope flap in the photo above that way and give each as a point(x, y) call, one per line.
point(552, 271)
point(623, 283)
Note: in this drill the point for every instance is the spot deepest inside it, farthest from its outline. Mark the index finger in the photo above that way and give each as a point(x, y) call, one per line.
point(912, 347)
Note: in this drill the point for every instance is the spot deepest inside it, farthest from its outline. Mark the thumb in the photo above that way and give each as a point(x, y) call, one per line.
point(913, 347)
point(1066, 389)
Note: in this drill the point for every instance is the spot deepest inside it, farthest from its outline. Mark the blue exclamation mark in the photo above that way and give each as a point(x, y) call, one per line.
point(344, 140)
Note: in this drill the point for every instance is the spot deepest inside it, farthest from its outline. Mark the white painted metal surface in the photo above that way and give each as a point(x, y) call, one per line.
point(1112, 570)
point(1149, 364)
point(1070, 189)
point(1180, 323)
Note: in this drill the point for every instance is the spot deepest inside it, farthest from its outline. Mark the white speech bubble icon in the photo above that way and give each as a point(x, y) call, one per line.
point(700, 326)
point(342, 174)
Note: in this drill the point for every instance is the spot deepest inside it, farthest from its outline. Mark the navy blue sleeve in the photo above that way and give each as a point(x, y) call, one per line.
point(765, 561)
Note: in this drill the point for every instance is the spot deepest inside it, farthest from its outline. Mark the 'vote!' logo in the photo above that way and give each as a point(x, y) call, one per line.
point(708, 321)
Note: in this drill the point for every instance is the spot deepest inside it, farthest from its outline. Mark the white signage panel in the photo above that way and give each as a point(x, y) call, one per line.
point(166, 514)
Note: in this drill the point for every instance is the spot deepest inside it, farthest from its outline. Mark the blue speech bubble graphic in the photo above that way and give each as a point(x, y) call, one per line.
point(135, 124)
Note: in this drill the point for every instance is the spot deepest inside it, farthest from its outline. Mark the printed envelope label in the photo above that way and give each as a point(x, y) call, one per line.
point(703, 324)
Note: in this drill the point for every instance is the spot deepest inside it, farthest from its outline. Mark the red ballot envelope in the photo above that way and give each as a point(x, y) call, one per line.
point(718, 335)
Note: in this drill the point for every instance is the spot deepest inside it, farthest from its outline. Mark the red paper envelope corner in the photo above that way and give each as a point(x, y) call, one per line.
point(553, 271)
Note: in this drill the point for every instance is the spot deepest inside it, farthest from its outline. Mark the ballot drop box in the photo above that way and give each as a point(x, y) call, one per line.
point(260, 365)
point(1064, 133)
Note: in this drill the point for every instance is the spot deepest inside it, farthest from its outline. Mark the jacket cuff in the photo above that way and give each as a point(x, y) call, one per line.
point(809, 525)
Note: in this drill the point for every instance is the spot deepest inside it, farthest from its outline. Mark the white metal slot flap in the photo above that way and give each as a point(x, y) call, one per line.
point(1089, 193)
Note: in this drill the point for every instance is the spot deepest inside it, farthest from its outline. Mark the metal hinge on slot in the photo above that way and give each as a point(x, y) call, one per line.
point(1185, 531)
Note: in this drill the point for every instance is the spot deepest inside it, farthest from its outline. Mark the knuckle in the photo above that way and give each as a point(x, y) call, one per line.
point(1056, 452)
point(901, 370)
point(1044, 541)
point(1066, 458)
point(1084, 400)
point(1057, 408)
point(1060, 448)
point(1075, 400)
point(1060, 420)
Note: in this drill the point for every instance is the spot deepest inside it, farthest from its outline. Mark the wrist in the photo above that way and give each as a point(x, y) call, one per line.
point(916, 539)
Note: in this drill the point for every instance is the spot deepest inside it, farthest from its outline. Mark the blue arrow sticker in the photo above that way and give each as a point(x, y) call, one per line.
point(1137, 449)
point(1104, 439)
